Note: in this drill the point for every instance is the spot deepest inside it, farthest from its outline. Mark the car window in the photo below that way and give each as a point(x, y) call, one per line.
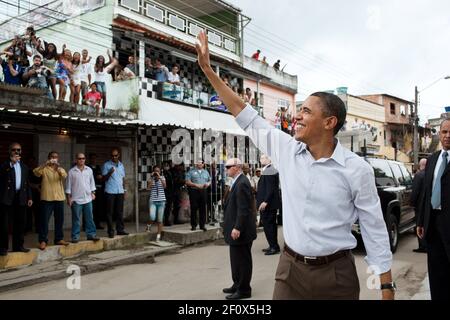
point(398, 173)
point(383, 173)
point(406, 175)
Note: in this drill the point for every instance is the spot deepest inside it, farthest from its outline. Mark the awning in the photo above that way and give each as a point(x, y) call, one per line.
point(158, 113)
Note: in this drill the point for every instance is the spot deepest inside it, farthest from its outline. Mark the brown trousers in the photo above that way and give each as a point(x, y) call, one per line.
point(337, 280)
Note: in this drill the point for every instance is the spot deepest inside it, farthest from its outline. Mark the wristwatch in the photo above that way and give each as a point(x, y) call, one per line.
point(389, 286)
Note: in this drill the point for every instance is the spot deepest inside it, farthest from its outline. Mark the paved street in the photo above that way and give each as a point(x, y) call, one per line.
point(201, 272)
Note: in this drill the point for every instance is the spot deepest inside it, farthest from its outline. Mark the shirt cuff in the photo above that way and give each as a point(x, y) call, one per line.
point(246, 117)
point(380, 267)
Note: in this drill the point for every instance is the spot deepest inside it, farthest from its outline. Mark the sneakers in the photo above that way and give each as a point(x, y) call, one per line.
point(158, 237)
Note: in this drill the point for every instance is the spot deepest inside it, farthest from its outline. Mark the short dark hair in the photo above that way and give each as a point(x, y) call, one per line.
point(37, 56)
point(176, 65)
point(333, 106)
point(14, 144)
point(51, 153)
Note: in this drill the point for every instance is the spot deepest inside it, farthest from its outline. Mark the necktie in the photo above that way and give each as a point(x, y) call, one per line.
point(436, 195)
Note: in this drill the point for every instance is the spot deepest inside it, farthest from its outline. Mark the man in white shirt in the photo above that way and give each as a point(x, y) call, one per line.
point(325, 189)
point(80, 190)
point(86, 73)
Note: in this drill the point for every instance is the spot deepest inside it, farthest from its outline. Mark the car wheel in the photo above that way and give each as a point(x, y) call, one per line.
point(392, 227)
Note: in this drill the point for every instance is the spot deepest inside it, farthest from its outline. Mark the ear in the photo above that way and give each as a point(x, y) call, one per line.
point(330, 123)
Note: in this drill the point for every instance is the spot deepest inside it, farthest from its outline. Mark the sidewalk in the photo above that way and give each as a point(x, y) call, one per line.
point(424, 292)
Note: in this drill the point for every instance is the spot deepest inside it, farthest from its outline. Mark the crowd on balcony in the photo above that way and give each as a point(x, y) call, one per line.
point(256, 56)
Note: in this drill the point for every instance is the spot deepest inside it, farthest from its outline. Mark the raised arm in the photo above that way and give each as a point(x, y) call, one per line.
point(233, 102)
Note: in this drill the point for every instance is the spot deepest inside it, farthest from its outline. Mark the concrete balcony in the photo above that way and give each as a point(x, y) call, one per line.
point(277, 77)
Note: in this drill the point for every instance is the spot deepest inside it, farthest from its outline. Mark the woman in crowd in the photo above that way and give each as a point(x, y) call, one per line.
point(64, 70)
point(49, 59)
point(157, 203)
point(101, 72)
point(75, 83)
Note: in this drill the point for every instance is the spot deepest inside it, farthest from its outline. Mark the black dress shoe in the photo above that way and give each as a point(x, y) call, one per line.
point(272, 252)
point(111, 235)
point(230, 290)
point(420, 250)
point(22, 249)
point(99, 227)
point(123, 233)
point(75, 241)
point(193, 228)
point(95, 239)
point(238, 296)
point(266, 250)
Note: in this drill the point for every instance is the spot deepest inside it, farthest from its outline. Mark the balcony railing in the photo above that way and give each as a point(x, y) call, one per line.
point(190, 97)
point(180, 22)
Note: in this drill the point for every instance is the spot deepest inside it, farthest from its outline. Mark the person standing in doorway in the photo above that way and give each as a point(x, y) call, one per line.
point(198, 181)
point(114, 176)
point(52, 199)
point(15, 197)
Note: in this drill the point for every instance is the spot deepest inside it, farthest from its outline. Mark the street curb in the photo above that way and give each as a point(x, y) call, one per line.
point(86, 266)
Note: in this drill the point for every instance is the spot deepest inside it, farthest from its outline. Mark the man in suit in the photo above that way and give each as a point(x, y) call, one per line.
point(434, 220)
point(15, 196)
point(268, 203)
point(417, 191)
point(239, 231)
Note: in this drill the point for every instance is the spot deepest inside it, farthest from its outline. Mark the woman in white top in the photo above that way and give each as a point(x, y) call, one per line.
point(101, 72)
point(174, 77)
point(75, 82)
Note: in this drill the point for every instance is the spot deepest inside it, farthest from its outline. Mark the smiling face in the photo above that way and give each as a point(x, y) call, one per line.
point(311, 121)
point(445, 134)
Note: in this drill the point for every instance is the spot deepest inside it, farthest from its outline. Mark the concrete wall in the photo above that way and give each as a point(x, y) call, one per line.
point(271, 96)
point(278, 77)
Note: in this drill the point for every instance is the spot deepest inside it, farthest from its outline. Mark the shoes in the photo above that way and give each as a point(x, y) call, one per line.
point(272, 252)
point(123, 233)
point(204, 229)
point(95, 239)
point(193, 228)
point(266, 250)
point(238, 296)
point(22, 249)
point(75, 241)
point(178, 222)
point(111, 235)
point(420, 250)
point(3, 253)
point(230, 290)
point(62, 243)
point(42, 245)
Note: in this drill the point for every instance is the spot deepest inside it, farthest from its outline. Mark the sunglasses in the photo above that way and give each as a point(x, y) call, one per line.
point(16, 149)
point(81, 158)
point(229, 167)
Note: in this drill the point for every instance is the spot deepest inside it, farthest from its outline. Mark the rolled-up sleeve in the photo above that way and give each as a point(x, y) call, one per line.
point(370, 215)
point(69, 183)
point(267, 138)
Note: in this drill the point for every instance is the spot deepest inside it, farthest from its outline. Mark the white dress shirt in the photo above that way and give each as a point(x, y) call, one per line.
point(322, 199)
point(80, 184)
point(438, 165)
point(18, 172)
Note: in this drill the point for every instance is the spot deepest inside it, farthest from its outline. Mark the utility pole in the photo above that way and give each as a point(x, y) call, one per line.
point(416, 129)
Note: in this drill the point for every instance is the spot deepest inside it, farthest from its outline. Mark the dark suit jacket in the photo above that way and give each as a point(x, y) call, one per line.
point(417, 191)
point(425, 212)
point(268, 189)
point(8, 184)
point(239, 213)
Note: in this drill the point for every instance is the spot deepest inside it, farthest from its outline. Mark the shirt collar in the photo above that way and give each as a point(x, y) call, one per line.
point(235, 179)
point(338, 154)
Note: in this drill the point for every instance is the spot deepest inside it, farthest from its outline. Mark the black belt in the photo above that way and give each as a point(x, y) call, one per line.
point(315, 261)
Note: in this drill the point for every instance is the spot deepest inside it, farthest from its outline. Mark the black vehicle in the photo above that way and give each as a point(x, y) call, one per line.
point(394, 184)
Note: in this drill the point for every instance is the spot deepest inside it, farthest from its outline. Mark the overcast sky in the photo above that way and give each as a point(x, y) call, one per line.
point(383, 46)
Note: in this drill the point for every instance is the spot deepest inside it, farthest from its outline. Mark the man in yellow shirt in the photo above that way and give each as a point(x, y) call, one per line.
point(52, 199)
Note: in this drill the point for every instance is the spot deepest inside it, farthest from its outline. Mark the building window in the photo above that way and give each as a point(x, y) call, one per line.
point(393, 108)
point(403, 110)
point(261, 99)
point(283, 103)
